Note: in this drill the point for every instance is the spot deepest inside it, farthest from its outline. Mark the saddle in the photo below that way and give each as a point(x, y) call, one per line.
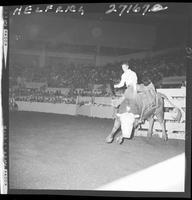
point(148, 96)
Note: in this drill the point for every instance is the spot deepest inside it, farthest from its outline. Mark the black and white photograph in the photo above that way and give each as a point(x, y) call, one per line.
point(96, 98)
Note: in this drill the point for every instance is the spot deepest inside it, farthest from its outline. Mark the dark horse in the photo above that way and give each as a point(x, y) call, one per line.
point(141, 106)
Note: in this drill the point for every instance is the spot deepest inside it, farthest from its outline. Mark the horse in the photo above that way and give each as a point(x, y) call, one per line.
point(145, 106)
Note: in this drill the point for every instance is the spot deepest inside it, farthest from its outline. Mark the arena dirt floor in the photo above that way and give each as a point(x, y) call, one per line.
point(49, 151)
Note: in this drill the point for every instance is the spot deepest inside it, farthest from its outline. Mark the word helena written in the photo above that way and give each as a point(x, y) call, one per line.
point(57, 9)
point(134, 8)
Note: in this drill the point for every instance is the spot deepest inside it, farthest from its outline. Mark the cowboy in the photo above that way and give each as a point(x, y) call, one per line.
point(129, 78)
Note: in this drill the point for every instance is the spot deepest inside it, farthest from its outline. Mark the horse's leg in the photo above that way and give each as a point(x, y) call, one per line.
point(160, 117)
point(120, 139)
point(136, 130)
point(116, 126)
point(164, 133)
point(136, 127)
point(150, 130)
point(130, 128)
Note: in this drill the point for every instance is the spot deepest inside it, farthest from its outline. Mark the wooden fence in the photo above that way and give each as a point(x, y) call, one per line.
point(174, 129)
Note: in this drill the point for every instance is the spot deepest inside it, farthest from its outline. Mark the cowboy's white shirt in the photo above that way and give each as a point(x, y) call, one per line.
point(129, 78)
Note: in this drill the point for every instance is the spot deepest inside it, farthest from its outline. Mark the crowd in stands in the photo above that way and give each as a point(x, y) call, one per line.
point(38, 95)
point(72, 76)
point(12, 104)
point(35, 95)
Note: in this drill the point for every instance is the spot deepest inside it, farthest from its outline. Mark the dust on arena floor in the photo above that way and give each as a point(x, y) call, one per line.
point(50, 151)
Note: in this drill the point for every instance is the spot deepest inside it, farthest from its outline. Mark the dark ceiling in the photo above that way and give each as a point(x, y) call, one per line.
point(174, 18)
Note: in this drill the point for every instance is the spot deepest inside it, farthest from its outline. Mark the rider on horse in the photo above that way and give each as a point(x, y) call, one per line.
point(133, 90)
point(129, 78)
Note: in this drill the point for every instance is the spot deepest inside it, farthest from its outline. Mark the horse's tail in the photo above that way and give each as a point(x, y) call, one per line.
point(177, 110)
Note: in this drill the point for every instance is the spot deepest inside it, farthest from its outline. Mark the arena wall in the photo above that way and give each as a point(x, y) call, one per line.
point(67, 109)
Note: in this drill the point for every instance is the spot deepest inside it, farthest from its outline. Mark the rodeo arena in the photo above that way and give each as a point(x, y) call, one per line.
point(97, 101)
